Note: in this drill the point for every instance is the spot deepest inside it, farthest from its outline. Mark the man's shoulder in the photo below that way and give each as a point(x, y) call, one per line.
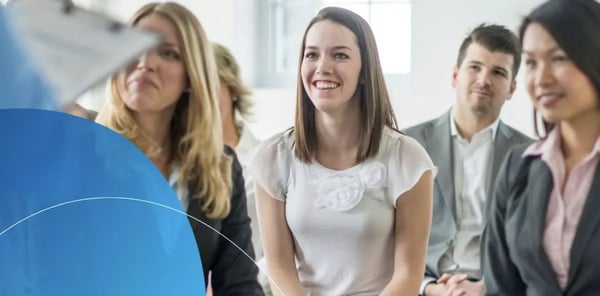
point(517, 135)
point(421, 131)
point(421, 127)
point(418, 128)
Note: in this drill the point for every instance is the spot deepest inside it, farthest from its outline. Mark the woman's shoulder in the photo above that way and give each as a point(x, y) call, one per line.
point(404, 153)
point(280, 144)
point(395, 141)
point(406, 162)
point(247, 141)
point(270, 164)
point(278, 149)
point(282, 138)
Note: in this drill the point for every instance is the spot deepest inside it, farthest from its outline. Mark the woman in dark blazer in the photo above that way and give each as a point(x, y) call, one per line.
point(166, 103)
point(543, 236)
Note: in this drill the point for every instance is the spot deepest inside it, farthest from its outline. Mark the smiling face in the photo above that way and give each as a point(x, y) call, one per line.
point(556, 86)
point(156, 81)
point(331, 65)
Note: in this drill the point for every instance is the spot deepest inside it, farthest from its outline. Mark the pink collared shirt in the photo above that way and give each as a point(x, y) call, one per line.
point(564, 208)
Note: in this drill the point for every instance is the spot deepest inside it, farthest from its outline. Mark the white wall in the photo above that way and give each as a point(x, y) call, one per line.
point(438, 27)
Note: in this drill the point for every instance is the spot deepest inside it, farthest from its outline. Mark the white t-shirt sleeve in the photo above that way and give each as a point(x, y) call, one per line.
point(408, 162)
point(270, 165)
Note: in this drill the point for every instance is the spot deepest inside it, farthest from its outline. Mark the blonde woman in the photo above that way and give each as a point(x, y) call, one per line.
point(166, 103)
point(235, 103)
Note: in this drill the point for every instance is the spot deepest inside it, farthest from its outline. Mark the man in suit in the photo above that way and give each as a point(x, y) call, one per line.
point(468, 143)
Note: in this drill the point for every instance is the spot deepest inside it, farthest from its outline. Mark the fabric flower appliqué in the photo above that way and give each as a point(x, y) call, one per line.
point(343, 191)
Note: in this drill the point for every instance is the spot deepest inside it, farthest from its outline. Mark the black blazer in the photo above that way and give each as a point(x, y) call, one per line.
point(514, 259)
point(232, 272)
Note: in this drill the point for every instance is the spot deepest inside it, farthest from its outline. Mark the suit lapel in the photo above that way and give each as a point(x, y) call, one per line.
point(586, 228)
point(540, 185)
point(440, 147)
point(502, 143)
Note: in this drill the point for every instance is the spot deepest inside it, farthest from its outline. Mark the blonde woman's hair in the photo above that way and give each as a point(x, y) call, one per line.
point(204, 168)
point(229, 72)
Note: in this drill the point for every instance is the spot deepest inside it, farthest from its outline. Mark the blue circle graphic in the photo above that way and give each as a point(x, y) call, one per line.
point(84, 212)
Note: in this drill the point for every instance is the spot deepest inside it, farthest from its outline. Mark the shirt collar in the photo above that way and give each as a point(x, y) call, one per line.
point(182, 192)
point(547, 145)
point(174, 176)
point(493, 127)
point(551, 144)
point(596, 149)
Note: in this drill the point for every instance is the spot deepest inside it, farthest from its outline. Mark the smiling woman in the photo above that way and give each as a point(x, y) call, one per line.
point(543, 235)
point(166, 103)
point(331, 65)
point(343, 194)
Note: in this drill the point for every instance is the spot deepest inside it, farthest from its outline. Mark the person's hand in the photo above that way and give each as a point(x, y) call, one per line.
point(454, 285)
point(452, 279)
point(465, 288)
point(435, 289)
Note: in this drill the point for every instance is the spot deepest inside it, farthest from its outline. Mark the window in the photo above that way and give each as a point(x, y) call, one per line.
point(390, 21)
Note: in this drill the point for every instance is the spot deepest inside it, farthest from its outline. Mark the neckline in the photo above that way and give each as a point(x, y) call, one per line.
point(346, 170)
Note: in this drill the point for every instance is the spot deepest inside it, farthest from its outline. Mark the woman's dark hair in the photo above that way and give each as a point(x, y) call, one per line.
point(575, 25)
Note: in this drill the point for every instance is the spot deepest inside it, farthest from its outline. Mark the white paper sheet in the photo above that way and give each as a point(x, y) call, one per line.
point(74, 48)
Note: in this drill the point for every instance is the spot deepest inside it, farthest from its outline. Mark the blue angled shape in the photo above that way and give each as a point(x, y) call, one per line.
point(84, 212)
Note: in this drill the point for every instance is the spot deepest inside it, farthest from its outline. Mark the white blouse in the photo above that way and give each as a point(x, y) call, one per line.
point(342, 222)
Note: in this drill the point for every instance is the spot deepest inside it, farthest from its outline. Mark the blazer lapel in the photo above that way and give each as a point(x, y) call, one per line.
point(540, 186)
point(502, 143)
point(440, 148)
point(586, 229)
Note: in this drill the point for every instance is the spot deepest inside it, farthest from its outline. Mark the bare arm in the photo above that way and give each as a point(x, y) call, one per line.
point(413, 221)
point(277, 244)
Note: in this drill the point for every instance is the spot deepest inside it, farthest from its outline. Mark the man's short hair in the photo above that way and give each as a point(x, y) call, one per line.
point(495, 38)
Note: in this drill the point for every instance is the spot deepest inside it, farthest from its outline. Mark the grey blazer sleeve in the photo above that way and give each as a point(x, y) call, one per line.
point(501, 275)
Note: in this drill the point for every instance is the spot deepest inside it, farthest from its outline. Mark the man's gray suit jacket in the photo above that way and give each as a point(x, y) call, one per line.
point(435, 137)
